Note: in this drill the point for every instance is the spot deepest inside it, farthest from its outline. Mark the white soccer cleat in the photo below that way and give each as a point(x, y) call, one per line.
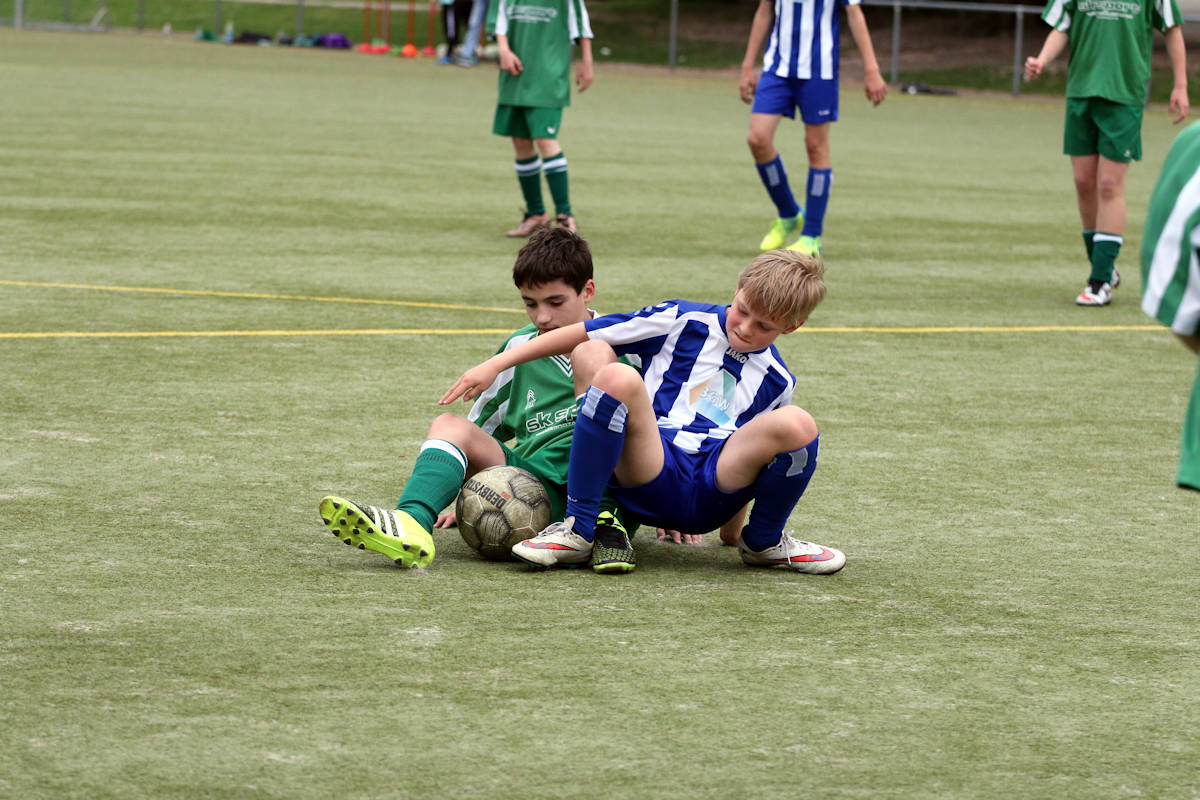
point(1095, 294)
point(795, 554)
point(557, 545)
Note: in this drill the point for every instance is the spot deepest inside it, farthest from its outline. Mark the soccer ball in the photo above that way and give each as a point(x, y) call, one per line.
point(500, 506)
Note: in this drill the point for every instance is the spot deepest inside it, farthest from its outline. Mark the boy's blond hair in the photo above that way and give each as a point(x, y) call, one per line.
point(783, 285)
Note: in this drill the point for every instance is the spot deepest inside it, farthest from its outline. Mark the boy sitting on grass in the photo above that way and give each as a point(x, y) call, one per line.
point(705, 427)
point(554, 275)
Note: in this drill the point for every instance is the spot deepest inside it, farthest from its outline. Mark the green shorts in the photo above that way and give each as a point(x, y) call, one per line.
point(557, 491)
point(527, 122)
point(1095, 125)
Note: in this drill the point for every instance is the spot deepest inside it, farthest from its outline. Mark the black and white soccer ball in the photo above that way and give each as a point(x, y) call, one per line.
point(500, 506)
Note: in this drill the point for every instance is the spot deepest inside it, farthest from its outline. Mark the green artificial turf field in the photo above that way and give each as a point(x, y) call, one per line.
point(189, 234)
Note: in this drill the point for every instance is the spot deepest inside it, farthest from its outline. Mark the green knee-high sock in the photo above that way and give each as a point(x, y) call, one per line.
point(1105, 248)
point(556, 177)
point(436, 478)
point(1088, 237)
point(529, 175)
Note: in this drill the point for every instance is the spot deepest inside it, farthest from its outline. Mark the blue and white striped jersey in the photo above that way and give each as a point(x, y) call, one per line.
point(804, 39)
point(702, 390)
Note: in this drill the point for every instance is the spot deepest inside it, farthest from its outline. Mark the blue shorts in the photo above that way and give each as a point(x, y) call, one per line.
point(817, 98)
point(684, 496)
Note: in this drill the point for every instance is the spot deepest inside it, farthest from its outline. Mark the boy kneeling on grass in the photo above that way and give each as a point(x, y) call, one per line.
point(702, 429)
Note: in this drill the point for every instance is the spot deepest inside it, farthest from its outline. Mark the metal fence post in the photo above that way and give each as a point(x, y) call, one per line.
point(674, 35)
point(896, 42)
point(1018, 49)
point(217, 18)
point(141, 15)
point(299, 18)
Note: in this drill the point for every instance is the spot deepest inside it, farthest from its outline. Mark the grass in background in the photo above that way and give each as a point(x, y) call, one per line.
point(1017, 618)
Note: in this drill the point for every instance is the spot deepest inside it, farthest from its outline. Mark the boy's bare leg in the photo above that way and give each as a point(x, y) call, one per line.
point(1083, 170)
point(761, 138)
point(816, 142)
point(642, 452)
point(481, 450)
point(1110, 193)
point(756, 444)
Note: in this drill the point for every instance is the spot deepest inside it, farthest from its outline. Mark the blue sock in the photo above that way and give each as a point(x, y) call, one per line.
point(774, 178)
point(820, 181)
point(595, 450)
point(779, 487)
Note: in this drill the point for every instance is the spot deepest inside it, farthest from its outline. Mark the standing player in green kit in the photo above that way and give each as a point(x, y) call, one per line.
point(535, 38)
point(1107, 76)
point(1171, 274)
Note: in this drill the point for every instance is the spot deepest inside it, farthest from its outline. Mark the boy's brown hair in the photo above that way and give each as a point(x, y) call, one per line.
point(783, 285)
point(553, 254)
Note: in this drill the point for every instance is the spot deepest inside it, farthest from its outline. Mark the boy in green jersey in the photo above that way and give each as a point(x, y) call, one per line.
point(535, 39)
point(1107, 77)
point(524, 418)
point(1171, 274)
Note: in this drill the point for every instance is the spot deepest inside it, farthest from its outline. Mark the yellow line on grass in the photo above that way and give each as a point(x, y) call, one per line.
point(503, 331)
point(169, 334)
point(259, 296)
point(994, 329)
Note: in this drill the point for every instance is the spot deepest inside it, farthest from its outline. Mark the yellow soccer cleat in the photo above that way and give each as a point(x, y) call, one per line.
point(394, 534)
point(808, 245)
point(780, 229)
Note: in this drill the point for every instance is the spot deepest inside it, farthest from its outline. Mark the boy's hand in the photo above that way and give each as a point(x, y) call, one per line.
point(875, 87)
point(583, 76)
point(510, 63)
point(748, 83)
point(1033, 67)
point(471, 383)
point(446, 519)
point(679, 538)
point(1178, 105)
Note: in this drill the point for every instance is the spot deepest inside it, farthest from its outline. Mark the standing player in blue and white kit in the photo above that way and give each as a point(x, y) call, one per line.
point(705, 426)
point(800, 68)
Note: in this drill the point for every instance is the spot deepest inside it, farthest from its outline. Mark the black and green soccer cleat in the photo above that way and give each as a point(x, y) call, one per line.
point(394, 534)
point(611, 551)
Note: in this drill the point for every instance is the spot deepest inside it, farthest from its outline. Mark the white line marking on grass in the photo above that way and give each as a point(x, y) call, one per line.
point(259, 296)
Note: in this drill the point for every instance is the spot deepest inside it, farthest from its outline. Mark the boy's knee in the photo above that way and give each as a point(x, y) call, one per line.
point(619, 380)
point(445, 426)
point(760, 145)
point(798, 427)
point(1110, 188)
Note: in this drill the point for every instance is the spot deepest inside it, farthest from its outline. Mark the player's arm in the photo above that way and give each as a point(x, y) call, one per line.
point(558, 342)
point(1178, 104)
point(508, 59)
point(585, 72)
point(1056, 40)
point(873, 83)
point(763, 17)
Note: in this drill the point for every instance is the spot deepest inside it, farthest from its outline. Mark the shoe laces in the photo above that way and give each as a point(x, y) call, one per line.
point(558, 528)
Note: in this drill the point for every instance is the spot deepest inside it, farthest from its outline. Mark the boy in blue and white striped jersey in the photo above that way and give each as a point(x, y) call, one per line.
point(800, 68)
point(702, 429)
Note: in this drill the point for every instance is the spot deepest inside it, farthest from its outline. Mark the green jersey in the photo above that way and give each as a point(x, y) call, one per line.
point(542, 34)
point(1170, 268)
point(532, 404)
point(1110, 44)
point(1171, 271)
